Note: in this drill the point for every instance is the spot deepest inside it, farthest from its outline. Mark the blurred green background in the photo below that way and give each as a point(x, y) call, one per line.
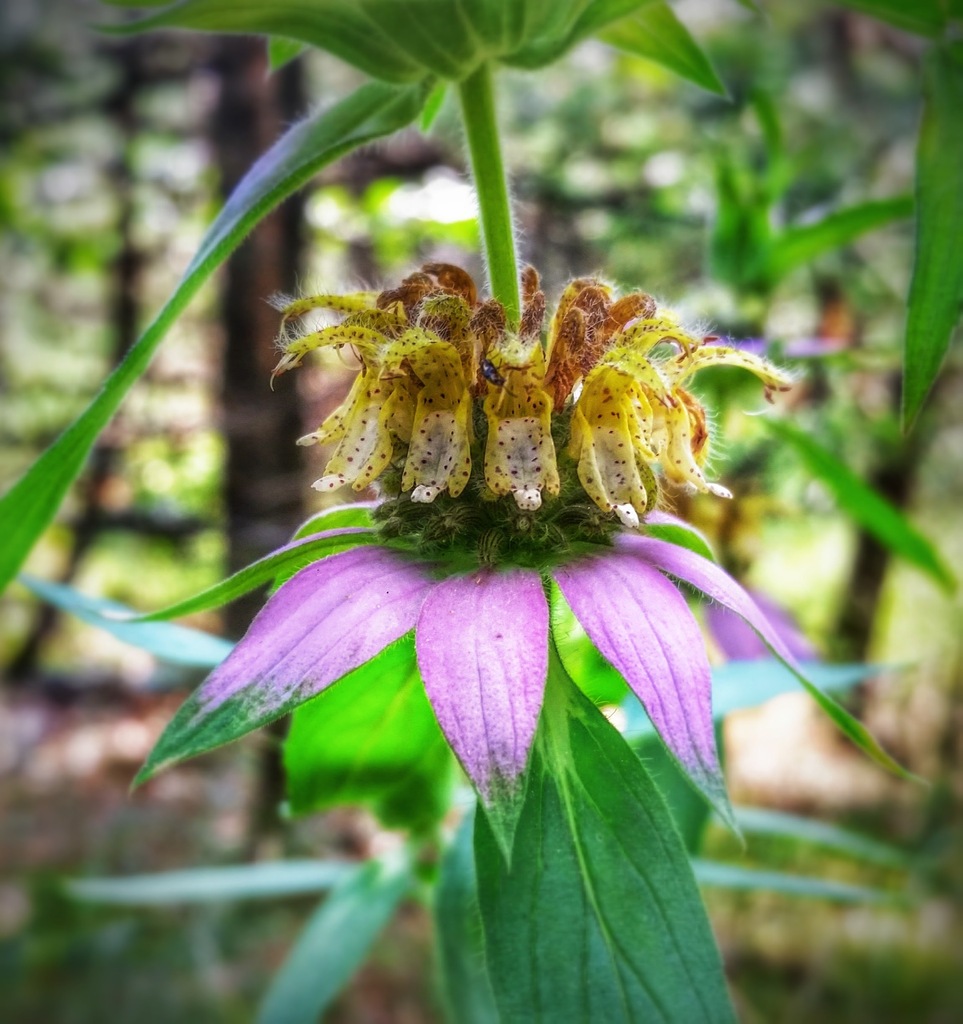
point(116, 155)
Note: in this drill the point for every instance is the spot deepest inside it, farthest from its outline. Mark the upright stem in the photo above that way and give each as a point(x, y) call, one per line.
point(494, 208)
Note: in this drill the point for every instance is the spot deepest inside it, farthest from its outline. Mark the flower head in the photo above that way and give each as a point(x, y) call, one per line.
point(519, 474)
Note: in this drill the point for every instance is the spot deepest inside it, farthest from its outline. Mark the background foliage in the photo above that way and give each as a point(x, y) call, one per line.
point(116, 156)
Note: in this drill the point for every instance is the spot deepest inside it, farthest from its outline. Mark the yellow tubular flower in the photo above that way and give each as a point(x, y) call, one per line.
point(611, 424)
point(519, 453)
point(439, 452)
point(366, 445)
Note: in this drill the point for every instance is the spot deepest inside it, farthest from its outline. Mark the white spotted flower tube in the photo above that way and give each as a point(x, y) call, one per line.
point(519, 470)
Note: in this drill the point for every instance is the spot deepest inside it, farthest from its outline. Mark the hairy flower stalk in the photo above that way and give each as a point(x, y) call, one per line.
point(520, 472)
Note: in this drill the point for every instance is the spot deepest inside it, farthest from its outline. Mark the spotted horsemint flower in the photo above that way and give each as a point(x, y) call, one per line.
point(518, 474)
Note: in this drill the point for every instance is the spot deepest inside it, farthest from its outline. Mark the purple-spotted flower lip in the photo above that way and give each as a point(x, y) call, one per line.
point(482, 645)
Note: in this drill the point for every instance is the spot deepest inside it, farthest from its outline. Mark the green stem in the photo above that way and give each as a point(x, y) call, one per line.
point(494, 208)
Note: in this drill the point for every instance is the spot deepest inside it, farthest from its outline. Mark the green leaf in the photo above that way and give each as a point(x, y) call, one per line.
point(690, 809)
point(936, 290)
point(924, 17)
point(372, 739)
point(282, 51)
point(190, 733)
point(598, 917)
point(747, 684)
point(341, 27)
point(797, 245)
point(862, 504)
point(598, 680)
point(656, 34)
point(371, 112)
point(685, 536)
point(715, 874)
point(176, 644)
point(595, 16)
point(269, 880)
point(283, 564)
point(766, 822)
point(432, 108)
point(340, 518)
point(466, 989)
point(334, 943)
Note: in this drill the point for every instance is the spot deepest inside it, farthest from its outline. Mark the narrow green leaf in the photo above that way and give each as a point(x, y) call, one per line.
point(655, 33)
point(737, 685)
point(924, 17)
point(465, 987)
point(284, 562)
point(176, 644)
point(371, 112)
point(190, 733)
point(715, 874)
point(269, 880)
point(800, 244)
point(282, 51)
point(936, 290)
point(372, 739)
point(766, 822)
point(859, 501)
point(598, 917)
point(433, 105)
point(851, 727)
point(334, 943)
point(746, 684)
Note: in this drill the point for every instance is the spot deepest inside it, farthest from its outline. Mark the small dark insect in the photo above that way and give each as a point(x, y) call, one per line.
point(491, 374)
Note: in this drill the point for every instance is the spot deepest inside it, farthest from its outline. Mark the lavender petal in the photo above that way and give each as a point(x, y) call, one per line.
point(641, 624)
point(324, 622)
point(713, 581)
point(482, 646)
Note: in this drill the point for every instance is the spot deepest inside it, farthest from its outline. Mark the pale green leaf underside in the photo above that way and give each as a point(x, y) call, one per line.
point(374, 110)
point(334, 943)
point(715, 874)
point(268, 880)
point(176, 644)
point(762, 821)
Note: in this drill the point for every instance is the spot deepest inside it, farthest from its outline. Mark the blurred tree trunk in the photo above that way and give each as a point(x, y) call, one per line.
point(123, 315)
point(263, 486)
